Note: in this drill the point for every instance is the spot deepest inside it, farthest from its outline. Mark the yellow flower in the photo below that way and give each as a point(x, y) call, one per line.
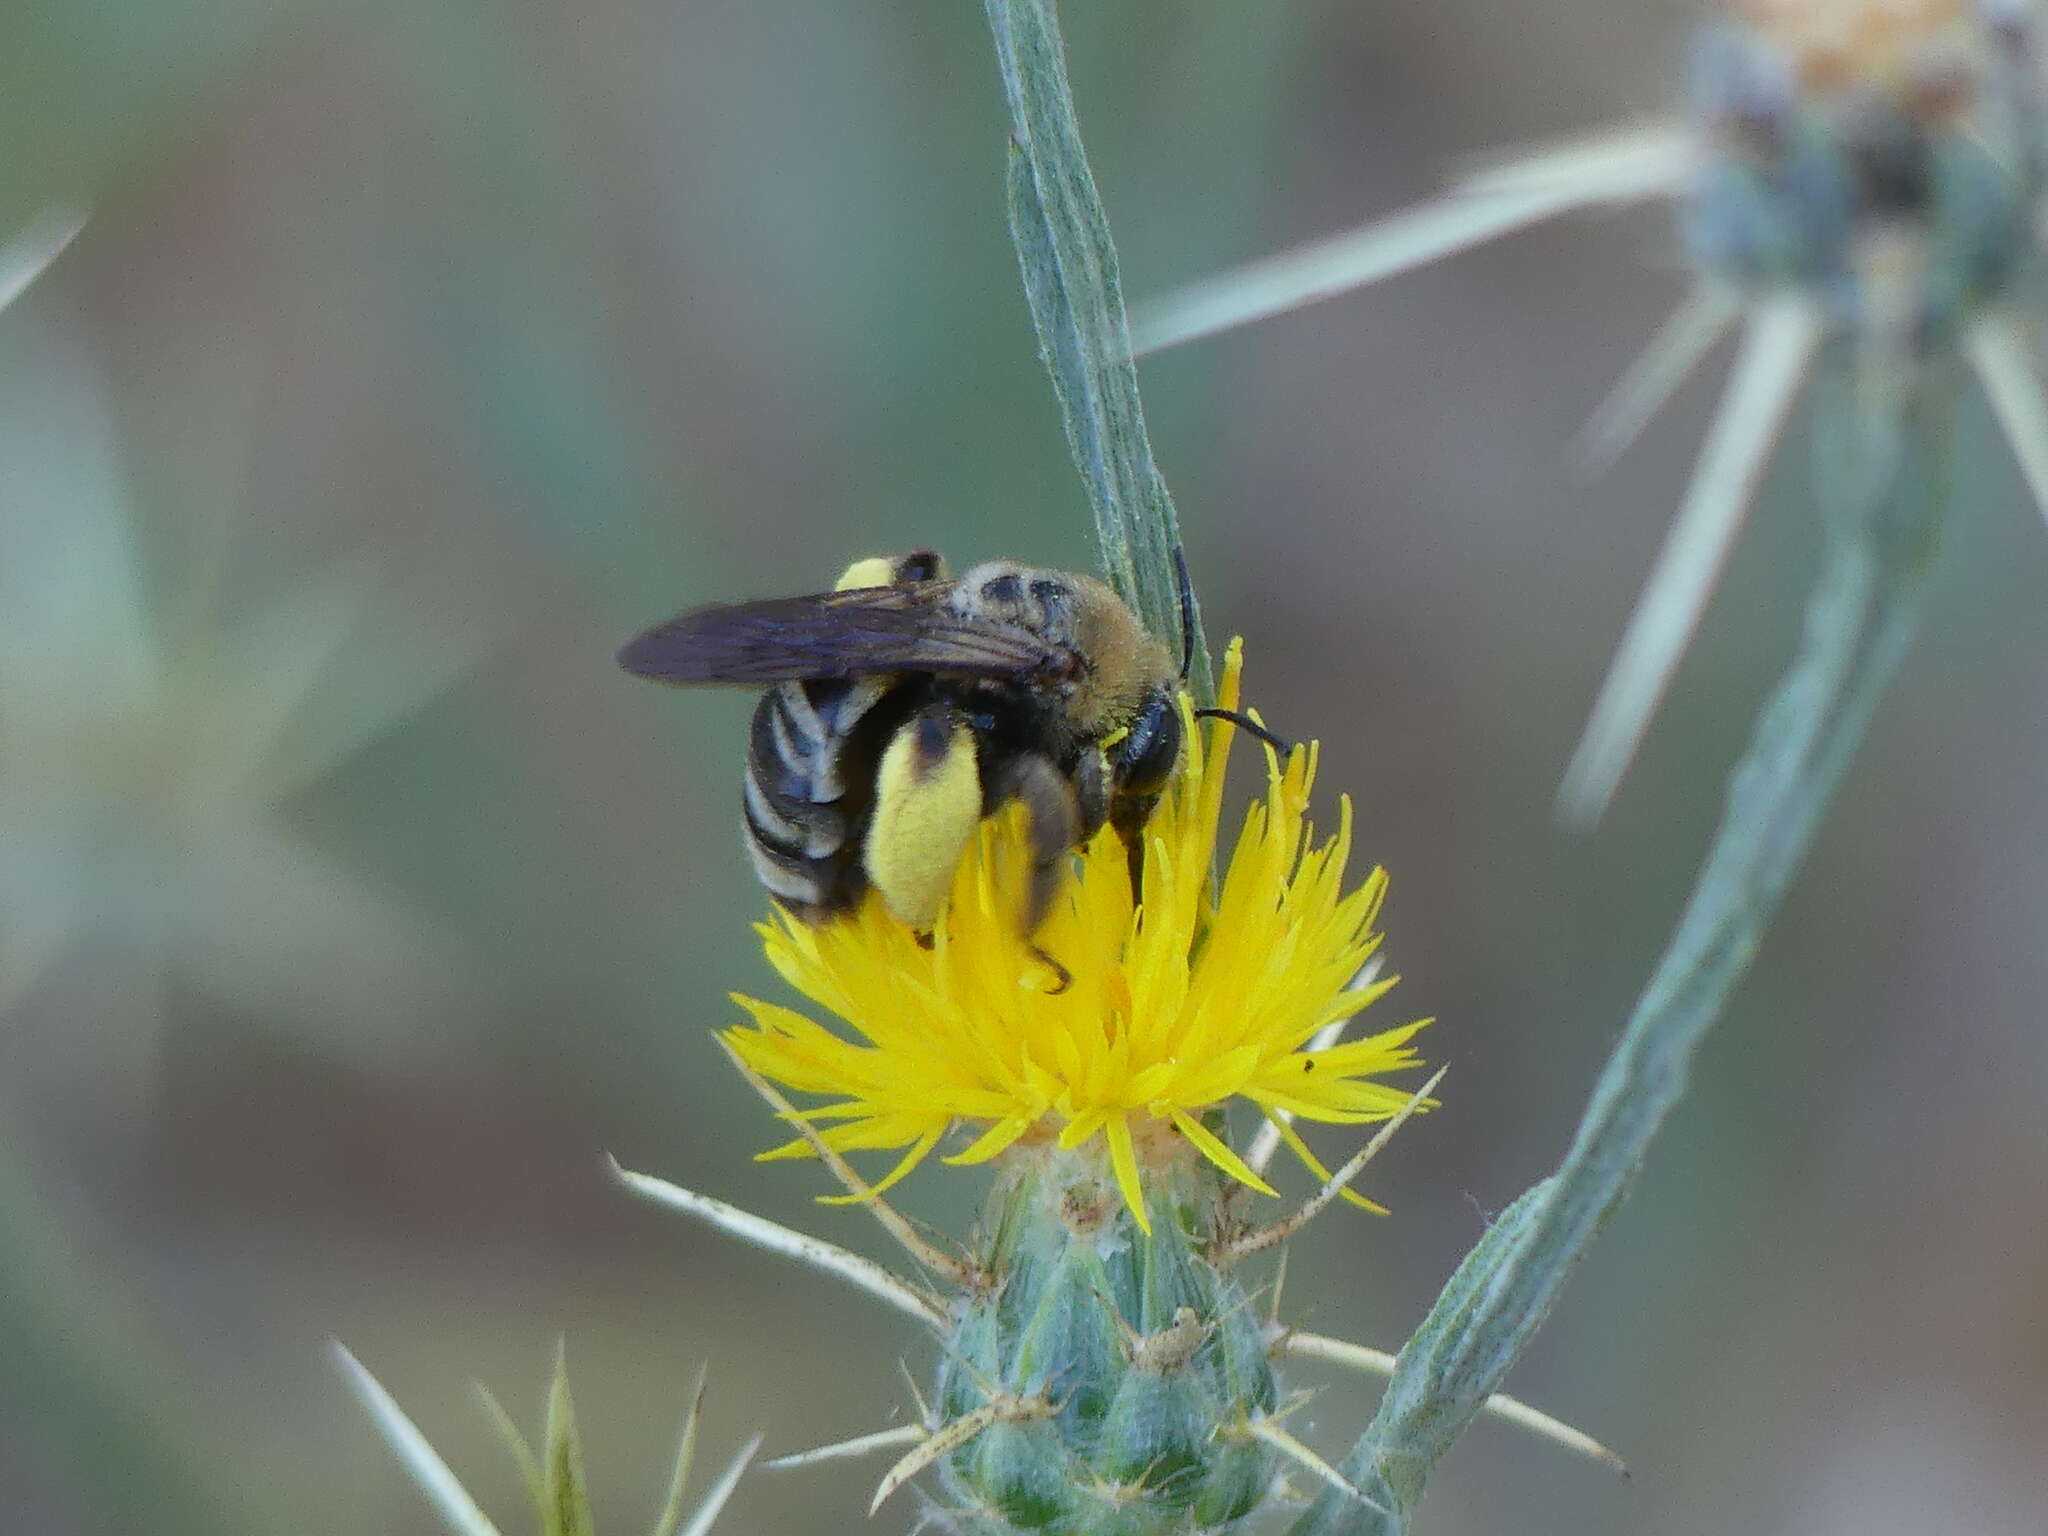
point(1201, 994)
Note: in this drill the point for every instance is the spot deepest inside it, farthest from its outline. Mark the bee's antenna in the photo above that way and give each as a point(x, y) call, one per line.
point(1248, 725)
point(1187, 608)
point(1187, 657)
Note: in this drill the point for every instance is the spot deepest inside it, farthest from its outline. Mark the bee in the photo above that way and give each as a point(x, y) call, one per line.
point(906, 705)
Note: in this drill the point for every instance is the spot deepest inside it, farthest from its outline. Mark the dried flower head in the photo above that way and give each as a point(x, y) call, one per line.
point(1183, 995)
point(1860, 179)
point(1853, 44)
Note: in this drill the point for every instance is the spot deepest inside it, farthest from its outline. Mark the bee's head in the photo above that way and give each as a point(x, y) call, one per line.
point(1124, 670)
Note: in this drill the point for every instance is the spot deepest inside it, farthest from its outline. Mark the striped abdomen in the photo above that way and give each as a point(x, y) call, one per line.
point(809, 789)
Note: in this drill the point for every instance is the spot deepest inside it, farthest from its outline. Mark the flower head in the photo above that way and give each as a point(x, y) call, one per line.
point(1184, 995)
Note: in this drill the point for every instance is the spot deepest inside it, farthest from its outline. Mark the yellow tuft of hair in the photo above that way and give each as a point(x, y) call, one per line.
point(874, 571)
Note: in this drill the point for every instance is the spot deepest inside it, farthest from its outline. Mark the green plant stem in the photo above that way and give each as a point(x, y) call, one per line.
point(1882, 484)
point(1077, 308)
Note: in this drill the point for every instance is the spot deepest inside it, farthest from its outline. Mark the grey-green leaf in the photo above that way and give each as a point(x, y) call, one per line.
point(1882, 483)
point(1077, 308)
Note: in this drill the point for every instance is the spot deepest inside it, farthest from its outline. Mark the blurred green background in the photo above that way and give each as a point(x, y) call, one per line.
point(354, 905)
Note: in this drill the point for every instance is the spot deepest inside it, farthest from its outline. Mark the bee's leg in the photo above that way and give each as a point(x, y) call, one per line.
point(1091, 794)
point(1057, 809)
point(1054, 814)
point(1094, 782)
point(1128, 817)
point(1062, 978)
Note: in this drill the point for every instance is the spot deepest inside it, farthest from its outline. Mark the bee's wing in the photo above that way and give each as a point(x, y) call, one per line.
point(831, 634)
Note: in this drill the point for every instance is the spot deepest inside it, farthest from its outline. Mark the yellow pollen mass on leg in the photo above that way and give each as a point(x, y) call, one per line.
point(927, 805)
point(874, 571)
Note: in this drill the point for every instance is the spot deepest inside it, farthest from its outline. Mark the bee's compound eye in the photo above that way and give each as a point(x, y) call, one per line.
point(1005, 591)
point(1142, 762)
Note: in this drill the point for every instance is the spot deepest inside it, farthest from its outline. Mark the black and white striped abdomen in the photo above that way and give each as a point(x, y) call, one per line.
point(809, 787)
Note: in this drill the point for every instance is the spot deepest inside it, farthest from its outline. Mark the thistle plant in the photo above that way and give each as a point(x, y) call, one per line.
point(1860, 185)
point(1103, 1368)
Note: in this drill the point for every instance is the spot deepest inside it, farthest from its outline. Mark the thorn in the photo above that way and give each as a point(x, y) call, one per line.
point(1127, 1333)
point(1266, 1141)
point(947, 1266)
point(1778, 346)
point(29, 254)
point(1616, 167)
point(1677, 348)
point(430, 1474)
point(1376, 1362)
point(1005, 1409)
point(1270, 1432)
point(846, 1450)
point(1245, 1302)
point(1279, 1282)
point(1998, 355)
point(515, 1443)
point(829, 1258)
point(715, 1497)
point(925, 1416)
point(671, 1515)
point(1265, 1237)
